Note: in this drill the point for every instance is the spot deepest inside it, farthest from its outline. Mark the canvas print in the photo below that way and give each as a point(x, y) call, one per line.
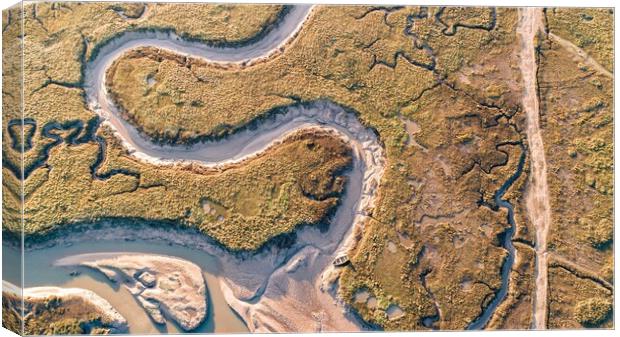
point(225, 168)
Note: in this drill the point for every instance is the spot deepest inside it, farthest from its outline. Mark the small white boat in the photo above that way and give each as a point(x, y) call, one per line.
point(341, 260)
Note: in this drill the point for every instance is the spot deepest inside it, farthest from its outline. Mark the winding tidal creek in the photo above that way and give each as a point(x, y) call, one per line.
point(276, 289)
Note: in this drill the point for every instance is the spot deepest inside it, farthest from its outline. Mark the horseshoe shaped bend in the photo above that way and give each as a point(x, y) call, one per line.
point(368, 154)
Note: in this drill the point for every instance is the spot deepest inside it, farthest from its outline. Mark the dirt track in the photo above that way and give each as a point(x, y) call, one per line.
point(581, 55)
point(537, 194)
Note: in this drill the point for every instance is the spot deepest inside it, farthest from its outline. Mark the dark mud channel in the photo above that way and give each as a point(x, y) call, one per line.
point(506, 239)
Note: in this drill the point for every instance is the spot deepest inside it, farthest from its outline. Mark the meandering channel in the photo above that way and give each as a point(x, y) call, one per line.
point(290, 289)
point(506, 241)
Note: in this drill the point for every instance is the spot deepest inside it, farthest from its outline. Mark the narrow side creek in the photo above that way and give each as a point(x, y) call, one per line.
point(506, 240)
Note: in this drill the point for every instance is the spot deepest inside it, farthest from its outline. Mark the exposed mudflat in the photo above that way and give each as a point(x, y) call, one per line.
point(124, 238)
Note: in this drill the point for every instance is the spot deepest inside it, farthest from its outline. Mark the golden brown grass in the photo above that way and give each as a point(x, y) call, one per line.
point(53, 316)
point(374, 68)
point(360, 59)
point(431, 245)
point(11, 110)
point(218, 23)
point(593, 312)
point(265, 197)
point(325, 61)
point(590, 29)
point(428, 208)
point(11, 312)
point(576, 302)
point(516, 311)
point(69, 31)
point(577, 110)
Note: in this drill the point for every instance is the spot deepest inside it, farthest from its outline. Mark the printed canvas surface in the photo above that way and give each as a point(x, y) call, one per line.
point(221, 168)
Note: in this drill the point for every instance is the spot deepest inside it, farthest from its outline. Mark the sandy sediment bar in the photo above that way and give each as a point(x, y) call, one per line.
point(166, 287)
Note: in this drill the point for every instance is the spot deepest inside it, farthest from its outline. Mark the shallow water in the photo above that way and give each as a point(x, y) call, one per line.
point(40, 271)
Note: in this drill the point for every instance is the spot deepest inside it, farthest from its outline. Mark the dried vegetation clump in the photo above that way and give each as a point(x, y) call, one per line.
point(593, 312)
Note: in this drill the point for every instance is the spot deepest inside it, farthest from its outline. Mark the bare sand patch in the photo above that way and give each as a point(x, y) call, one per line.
point(394, 312)
point(166, 287)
